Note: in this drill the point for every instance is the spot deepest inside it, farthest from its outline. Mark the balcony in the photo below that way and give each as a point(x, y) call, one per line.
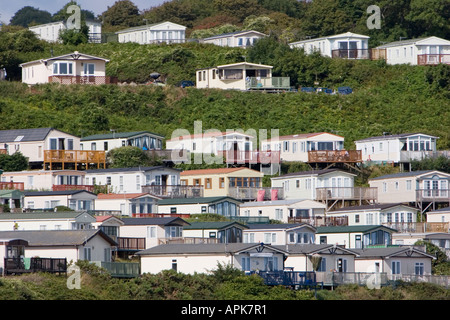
point(252, 157)
point(432, 59)
point(63, 157)
point(433, 195)
point(268, 83)
point(187, 240)
point(130, 244)
point(418, 227)
point(334, 156)
point(288, 278)
point(161, 215)
point(360, 194)
point(255, 193)
point(12, 186)
point(351, 53)
point(174, 191)
point(95, 80)
point(27, 265)
point(321, 221)
point(66, 187)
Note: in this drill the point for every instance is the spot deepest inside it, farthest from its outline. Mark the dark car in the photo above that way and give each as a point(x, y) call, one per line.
point(186, 83)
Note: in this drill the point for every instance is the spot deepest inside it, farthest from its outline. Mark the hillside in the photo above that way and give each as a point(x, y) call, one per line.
point(391, 99)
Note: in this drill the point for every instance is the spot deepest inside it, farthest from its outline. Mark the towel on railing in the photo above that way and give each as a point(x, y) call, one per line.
point(260, 196)
point(274, 194)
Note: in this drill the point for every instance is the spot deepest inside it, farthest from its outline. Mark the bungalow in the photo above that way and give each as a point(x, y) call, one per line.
point(240, 39)
point(355, 236)
point(51, 31)
point(395, 215)
point(213, 142)
point(399, 149)
point(346, 45)
point(133, 179)
point(70, 245)
point(67, 220)
point(316, 184)
point(148, 232)
point(215, 232)
point(298, 147)
point(36, 143)
point(439, 239)
point(73, 199)
point(71, 68)
point(127, 204)
point(321, 258)
point(156, 33)
point(204, 258)
point(144, 140)
point(420, 51)
point(424, 189)
point(239, 183)
point(280, 234)
point(439, 215)
point(241, 76)
point(225, 206)
point(48, 180)
point(284, 210)
point(395, 261)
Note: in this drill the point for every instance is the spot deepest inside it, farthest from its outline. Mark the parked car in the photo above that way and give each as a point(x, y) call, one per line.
point(186, 83)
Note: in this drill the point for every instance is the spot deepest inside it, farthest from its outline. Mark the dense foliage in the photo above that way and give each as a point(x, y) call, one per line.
point(223, 283)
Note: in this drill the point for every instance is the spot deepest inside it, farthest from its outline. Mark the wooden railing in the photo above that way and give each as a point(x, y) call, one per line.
point(96, 80)
point(347, 193)
point(24, 265)
point(74, 157)
point(65, 187)
point(12, 186)
point(130, 243)
point(3, 151)
point(254, 193)
point(432, 59)
point(237, 156)
point(174, 191)
point(351, 53)
point(334, 156)
point(188, 240)
point(418, 227)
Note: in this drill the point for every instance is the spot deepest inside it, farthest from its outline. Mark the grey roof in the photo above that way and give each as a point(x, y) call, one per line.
point(271, 202)
point(388, 251)
point(441, 210)
point(175, 201)
point(117, 135)
point(55, 237)
point(272, 226)
point(437, 236)
point(230, 34)
point(312, 172)
point(37, 134)
point(351, 229)
point(154, 221)
point(43, 215)
point(378, 206)
point(393, 136)
point(130, 169)
point(55, 193)
point(205, 248)
point(401, 42)
point(403, 174)
point(213, 225)
point(311, 248)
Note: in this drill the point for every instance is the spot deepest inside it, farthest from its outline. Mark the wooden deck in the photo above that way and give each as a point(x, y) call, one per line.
point(334, 156)
point(63, 158)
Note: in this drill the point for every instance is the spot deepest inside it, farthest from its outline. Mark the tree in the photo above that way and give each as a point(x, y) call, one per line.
point(122, 13)
point(28, 16)
point(15, 162)
point(128, 156)
point(75, 37)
